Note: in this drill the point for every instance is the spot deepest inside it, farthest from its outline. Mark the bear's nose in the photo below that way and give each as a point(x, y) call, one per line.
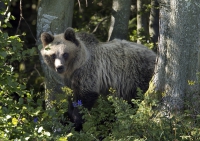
point(60, 69)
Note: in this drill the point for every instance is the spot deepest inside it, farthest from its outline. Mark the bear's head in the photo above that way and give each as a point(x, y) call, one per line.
point(63, 53)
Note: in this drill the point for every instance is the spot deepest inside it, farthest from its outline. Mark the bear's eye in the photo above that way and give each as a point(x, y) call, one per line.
point(65, 55)
point(53, 56)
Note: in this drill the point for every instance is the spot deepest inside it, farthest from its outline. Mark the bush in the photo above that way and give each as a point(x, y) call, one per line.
point(115, 119)
point(22, 113)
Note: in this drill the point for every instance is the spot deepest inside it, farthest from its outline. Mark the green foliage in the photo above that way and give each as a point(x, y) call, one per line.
point(144, 39)
point(24, 117)
point(22, 113)
point(93, 17)
point(115, 119)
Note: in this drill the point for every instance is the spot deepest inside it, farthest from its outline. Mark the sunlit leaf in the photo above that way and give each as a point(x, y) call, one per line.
point(40, 129)
point(24, 120)
point(14, 121)
point(48, 134)
point(62, 139)
point(8, 117)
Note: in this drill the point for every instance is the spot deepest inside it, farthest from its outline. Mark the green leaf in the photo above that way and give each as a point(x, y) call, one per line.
point(8, 117)
point(3, 54)
point(21, 100)
point(40, 129)
point(14, 121)
point(40, 47)
point(62, 139)
point(48, 134)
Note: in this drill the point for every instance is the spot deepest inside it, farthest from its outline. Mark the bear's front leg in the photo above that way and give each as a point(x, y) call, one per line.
point(87, 100)
point(85, 94)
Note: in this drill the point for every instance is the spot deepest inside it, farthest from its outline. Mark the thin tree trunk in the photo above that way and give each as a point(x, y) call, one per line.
point(53, 17)
point(177, 60)
point(142, 20)
point(2, 16)
point(119, 19)
point(154, 22)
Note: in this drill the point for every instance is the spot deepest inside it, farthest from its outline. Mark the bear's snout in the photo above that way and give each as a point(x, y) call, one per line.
point(60, 69)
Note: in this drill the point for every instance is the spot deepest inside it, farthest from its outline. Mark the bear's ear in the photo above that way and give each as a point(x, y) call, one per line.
point(46, 38)
point(69, 35)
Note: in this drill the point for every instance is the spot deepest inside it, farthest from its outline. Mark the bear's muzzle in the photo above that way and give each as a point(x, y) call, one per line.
point(60, 69)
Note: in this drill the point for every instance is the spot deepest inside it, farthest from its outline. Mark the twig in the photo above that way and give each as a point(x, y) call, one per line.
point(7, 8)
point(29, 29)
point(20, 7)
point(86, 2)
point(35, 67)
point(79, 4)
point(99, 24)
point(22, 18)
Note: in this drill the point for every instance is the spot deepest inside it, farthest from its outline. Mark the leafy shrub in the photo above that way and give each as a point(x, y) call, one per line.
point(22, 113)
point(24, 117)
point(114, 119)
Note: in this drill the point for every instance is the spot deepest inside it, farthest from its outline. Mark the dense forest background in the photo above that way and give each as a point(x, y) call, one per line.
point(23, 115)
point(88, 16)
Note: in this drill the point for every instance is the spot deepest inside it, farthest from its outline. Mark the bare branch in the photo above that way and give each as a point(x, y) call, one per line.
point(79, 4)
point(99, 24)
point(22, 18)
point(20, 7)
point(35, 67)
point(7, 8)
point(86, 2)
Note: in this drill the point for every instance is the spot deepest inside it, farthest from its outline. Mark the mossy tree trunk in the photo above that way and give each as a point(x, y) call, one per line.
point(175, 77)
point(53, 17)
point(119, 19)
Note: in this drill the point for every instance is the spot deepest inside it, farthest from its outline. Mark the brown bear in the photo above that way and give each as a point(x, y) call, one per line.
point(90, 67)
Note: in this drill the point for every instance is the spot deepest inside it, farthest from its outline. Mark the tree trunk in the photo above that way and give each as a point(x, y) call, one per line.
point(119, 19)
point(2, 7)
point(53, 17)
point(142, 20)
point(177, 60)
point(154, 22)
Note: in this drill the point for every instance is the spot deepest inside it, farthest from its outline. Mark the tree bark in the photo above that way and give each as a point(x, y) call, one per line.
point(2, 16)
point(53, 17)
point(142, 20)
point(177, 60)
point(154, 22)
point(119, 19)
